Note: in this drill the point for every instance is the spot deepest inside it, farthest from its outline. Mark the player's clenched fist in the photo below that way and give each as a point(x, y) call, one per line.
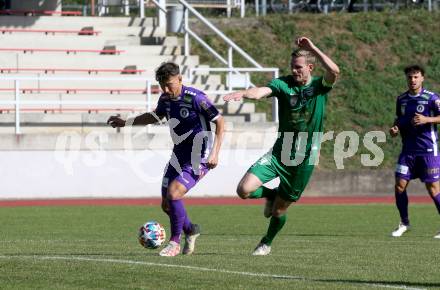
point(305, 43)
point(115, 122)
point(394, 131)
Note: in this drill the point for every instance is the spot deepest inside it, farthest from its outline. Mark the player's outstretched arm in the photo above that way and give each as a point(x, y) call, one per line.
point(332, 69)
point(219, 132)
point(141, 120)
point(252, 93)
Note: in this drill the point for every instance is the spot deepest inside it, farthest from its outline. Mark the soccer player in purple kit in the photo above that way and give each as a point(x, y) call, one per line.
point(189, 113)
point(417, 116)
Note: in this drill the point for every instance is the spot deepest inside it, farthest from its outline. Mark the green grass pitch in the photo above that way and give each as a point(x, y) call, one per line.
point(320, 247)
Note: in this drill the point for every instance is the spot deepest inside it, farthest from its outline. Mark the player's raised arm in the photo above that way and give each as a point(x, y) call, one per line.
point(252, 93)
point(141, 120)
point(332, 69)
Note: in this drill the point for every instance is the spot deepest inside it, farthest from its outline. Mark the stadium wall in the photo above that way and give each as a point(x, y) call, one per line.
point(49, 5)
point(103, 164)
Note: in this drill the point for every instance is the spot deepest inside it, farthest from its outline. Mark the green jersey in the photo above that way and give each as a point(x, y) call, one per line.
point(300, 114)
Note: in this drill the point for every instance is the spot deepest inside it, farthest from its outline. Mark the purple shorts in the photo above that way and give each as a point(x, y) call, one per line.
point(187, 176)
point(427, 168)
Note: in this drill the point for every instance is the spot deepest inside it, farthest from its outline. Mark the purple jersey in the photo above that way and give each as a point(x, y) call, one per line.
point(189, 119)
point(422, 139)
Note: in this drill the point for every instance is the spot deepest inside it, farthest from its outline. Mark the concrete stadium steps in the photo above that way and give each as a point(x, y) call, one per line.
point(198, 77)
point(229, 108)
point(38, 60)
point(208, 88)
point(128, 82)
point(101, 44)
point(73, 120)
point(99, 23)
point(145, 46)
point(63, 32)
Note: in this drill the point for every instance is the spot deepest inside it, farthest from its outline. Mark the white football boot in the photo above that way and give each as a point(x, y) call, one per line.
point(400, 230)
point(261, 250)
point(190, 240)
point(171, 250)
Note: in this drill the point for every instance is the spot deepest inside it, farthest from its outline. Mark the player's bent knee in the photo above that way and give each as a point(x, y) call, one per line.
point(278, 212)
point(174, 195)
point(165, 206)
point(165, 209)
point(243, 194)
point(399, 189)
point(433, 189)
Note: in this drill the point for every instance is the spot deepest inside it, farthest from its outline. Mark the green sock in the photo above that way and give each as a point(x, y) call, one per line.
point(263, 191)
point(275, 225)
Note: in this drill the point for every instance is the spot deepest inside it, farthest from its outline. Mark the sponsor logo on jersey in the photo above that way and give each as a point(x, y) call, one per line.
point(165, 182)
point(422, 102)
point(293, 100)
point(308, 92)
point(420, 108)
point(187, 98)
point(402, 109)
point(188, 92)
point(425, 96)
point(435, 170)
point(204, 105)
point(184, 112)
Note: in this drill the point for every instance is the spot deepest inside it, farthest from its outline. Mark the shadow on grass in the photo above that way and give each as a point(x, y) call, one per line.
point(397, 284)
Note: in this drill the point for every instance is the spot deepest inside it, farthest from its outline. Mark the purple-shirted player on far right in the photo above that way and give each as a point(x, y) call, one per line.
point(417, 116)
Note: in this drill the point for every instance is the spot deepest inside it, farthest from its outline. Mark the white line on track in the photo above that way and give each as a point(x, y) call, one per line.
point(263, 275)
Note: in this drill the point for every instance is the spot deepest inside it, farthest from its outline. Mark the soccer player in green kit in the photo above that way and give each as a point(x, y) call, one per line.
point(301, 101)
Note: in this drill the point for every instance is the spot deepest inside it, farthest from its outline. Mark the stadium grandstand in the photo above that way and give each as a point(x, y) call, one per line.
point(64, 73)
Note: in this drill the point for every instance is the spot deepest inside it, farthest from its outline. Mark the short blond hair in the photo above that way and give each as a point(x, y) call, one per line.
point(310, 58)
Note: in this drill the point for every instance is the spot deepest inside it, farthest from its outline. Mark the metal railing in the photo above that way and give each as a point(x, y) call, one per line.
point(247, 84)
point(18, 102)
point(326, 6)
point(232, 46)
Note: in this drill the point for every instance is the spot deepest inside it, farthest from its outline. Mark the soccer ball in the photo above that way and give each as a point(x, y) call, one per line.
point(151, 235)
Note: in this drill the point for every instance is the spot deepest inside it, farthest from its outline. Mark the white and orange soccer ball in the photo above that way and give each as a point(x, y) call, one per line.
point(151, 235)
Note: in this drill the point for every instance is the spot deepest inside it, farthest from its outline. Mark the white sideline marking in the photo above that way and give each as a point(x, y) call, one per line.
point(131, 262)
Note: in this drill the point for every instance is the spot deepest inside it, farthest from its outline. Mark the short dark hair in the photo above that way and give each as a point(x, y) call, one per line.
point(414, 68)
point(167, 70)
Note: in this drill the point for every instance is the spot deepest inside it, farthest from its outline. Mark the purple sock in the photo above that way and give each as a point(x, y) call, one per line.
point(177, 219)
point(402, 206)
point(437, 202)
